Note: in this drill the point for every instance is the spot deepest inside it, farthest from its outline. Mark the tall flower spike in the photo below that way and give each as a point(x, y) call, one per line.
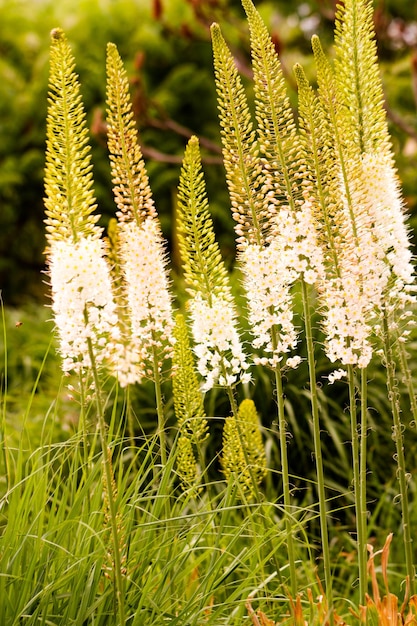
point(140, 245)
point(347, 333)
point(69, 191)
point(357, 75)
point(278, 139)
point(146, 285)
point(244, 175)
point(373, 248)
point(217, 343)
point(188, 406)
point(362, 100)
point(131, 186)
point(243, 450)
point(188, 401)
point(82, 301)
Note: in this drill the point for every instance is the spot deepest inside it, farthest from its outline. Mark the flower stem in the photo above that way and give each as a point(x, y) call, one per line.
point(359, 490)
point(282, 427)
point(108, 476)
point(318, 453)
point(159, 410)
point(399, 444)
point(408, 381)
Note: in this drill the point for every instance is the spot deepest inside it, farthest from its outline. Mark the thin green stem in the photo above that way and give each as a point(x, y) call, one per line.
point(282, 427)
point(400, 457)
point(129, 418)
point(108, 476)
point(357, 490)
point(3, 424)
point(407, 378)
point(159, 409)
point(363, 472)
point(318, 454)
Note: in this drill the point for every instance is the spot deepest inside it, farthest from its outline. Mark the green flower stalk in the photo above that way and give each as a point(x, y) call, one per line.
point(140, 245)
point(277, 234)
point(378, 207)
point(131, 188)
point(365, 241)
point(188, 406)
point(69, 201)
point(221, 359)
point(243, 455)
point(82, 300)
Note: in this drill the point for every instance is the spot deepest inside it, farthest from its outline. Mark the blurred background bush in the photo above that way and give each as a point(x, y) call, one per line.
point(166, 48)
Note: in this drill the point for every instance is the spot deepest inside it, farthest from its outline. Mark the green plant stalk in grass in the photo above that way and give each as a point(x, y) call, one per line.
point(358, 437)
point(398, 437)
point(318, 457)
point(3, 397)
point(242, 172)
point(109, 482)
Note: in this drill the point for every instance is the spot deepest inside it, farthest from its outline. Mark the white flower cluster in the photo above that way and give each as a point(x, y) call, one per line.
point(147, 290)
point(336, 375)
point(385, 208)
point(374, 264)
point(221, 359)
point(346, 323)
point(270, 272)
point(82, 301)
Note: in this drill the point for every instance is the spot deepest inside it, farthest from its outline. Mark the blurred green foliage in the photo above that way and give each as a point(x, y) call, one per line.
point(166, 47)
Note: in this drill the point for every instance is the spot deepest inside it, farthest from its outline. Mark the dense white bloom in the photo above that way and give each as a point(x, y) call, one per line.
point(386, 213)
point(347, 322)
point(374, 262)
point(82, 301)
point(220, 357)
point(147, 292)
point(269, 274)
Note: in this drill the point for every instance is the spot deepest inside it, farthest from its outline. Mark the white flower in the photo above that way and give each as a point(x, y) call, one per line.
point(82, 301)
point(220, 357)
point(147, 293)
point(374, 259)
point(269, 273)
point(336, 375)
point(386, 212)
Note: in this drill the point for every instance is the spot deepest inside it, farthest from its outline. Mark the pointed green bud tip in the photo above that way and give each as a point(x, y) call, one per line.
point(316, 44)
point(300, 75)
point(57, 34)
point(216, 32)
point(248, 6)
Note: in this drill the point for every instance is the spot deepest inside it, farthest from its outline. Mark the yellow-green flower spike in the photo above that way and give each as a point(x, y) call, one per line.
point(188, 400)
point(278, 140)
point(69, 200)
point(186, 463)
point(240, 149)
point(358, 79)
point(131, 185)
point(243, 454)
point(203, 265)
